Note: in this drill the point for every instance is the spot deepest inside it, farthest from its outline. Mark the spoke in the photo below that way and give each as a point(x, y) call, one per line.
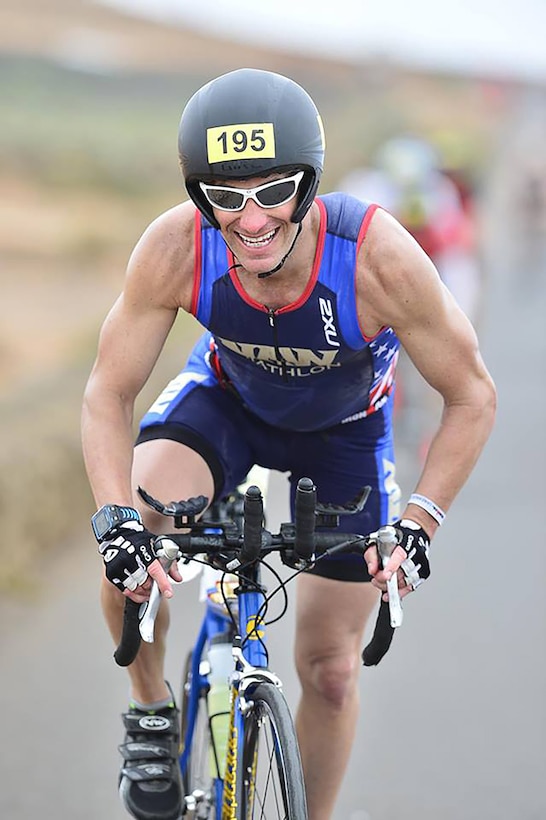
point(273, 781)
point(271, 787)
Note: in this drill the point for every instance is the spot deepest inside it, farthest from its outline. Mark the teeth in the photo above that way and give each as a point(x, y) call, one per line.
point(257, 241)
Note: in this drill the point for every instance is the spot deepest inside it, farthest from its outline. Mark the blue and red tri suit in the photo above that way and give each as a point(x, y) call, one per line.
point(299, 389)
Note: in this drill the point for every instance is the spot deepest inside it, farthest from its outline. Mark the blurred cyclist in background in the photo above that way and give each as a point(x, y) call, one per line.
point(409, 178)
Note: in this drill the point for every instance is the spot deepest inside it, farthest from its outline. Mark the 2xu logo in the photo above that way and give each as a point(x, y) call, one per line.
point(327, 314)
point(154, 723)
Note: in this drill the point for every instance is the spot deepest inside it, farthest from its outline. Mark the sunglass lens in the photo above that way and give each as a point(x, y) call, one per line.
point(228, 200)
point(276, 193)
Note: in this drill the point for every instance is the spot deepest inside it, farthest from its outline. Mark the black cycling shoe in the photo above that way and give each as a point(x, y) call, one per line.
point(150, 784)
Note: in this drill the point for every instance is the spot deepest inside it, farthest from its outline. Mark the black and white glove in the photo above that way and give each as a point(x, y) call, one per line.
point(127, 553)
point(414, 540)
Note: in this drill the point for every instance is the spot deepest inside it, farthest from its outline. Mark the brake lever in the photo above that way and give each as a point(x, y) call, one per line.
point(387, 541)
point(146, 625)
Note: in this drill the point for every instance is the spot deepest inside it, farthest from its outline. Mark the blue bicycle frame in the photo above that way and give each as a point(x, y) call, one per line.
point(215, 622)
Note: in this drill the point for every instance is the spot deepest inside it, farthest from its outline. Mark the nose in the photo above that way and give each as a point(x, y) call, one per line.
point(252, 219)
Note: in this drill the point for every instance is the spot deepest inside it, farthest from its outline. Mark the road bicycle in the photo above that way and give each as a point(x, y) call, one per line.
point(239, 756)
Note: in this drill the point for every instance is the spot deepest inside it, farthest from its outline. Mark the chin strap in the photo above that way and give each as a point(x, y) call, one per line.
point(285, 257)
point(266, 273)
point(233, 267)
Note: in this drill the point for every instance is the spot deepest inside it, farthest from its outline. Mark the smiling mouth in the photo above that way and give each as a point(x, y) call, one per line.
point(258, 241)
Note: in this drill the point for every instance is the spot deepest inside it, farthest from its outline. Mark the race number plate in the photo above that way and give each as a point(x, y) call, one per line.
point(254, 140)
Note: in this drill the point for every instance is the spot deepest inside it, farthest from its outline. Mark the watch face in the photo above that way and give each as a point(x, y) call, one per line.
point(105, 520)
point(101, 522)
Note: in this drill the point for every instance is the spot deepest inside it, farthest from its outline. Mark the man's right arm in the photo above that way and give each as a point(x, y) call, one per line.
point(158, 281)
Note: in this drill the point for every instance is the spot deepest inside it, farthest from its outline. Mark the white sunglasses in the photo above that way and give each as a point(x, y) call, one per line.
point(269, 195)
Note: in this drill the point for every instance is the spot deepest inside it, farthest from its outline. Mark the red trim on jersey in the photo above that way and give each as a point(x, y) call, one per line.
point(365, 225)
point(312, 279)
point(361, 236)
point(217, 369)
point(375, 335)
point(238, 286)
point(316, 262)
point(385, 385)
point(197, 254)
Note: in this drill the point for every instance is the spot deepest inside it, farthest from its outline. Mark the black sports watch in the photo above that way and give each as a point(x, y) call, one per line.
point(105, 520)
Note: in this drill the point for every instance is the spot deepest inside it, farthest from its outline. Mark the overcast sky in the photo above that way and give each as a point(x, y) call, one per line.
point(488, 36)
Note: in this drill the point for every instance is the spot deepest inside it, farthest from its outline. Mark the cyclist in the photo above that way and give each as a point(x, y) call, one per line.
point(305, 300)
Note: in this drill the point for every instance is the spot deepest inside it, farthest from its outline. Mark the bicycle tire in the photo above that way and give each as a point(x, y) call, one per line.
point(269, 774)
point(197, 778)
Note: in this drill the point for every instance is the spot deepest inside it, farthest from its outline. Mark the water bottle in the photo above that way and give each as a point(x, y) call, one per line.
point(221, 667)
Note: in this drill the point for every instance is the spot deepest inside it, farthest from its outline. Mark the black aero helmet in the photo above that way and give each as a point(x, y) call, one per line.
point(250, 123)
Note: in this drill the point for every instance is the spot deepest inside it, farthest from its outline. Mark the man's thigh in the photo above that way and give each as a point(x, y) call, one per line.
point(169, 471)
point(212, 423)
point(331, 617)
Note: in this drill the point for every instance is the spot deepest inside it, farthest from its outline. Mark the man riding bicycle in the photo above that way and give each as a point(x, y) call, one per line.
point(305, 300)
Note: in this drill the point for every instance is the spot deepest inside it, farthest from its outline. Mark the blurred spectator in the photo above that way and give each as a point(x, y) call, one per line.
point(434, 201)
point(530, 223)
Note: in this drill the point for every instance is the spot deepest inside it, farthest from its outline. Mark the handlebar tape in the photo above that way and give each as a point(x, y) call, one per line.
point(305, 505)
point(253, 518)
point(129, 644)
point(381, 638)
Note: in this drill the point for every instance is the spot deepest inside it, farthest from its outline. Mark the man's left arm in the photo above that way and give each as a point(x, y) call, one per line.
point(403, 290)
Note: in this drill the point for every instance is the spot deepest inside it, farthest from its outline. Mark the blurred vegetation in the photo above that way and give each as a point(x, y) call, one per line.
point(86, 162)
point(67, 129)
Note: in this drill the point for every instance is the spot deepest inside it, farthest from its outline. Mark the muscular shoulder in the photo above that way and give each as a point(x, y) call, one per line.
point(162, 262)
point(395, 278)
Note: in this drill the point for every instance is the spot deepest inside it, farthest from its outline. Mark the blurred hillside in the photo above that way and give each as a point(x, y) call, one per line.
point(89, 102)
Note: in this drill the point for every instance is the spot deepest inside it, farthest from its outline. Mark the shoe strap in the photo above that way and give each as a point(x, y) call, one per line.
point(144, 751)
point(146, 772)
point(137, 723)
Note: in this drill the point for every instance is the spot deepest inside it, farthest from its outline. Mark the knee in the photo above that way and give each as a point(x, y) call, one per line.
point(333, 679)
point(111, 598)
point(154, 521)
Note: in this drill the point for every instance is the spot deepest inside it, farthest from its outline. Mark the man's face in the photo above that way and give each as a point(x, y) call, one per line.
point(258, 234)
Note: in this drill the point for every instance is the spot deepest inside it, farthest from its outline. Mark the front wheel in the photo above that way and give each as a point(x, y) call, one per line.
point(197, 777)
point(269, 774)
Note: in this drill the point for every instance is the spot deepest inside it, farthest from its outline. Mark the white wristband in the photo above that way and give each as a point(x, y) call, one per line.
point(429, 506)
